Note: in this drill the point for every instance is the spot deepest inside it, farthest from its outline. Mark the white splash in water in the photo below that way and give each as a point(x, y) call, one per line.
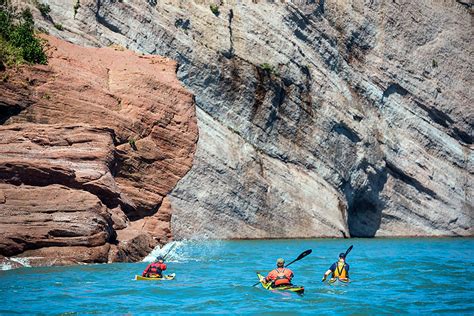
point(187, 250)
point(168, 251)
point(24, 261)
point(5, 266)
point(13, 263)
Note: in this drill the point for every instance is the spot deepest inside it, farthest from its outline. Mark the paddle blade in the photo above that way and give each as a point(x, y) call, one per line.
point(304, 254)
point(301, 256)
point(348, 250)
point(258, 281)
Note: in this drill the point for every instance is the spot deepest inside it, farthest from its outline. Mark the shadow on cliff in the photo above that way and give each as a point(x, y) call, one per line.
point(364, 217)
point(365, 205)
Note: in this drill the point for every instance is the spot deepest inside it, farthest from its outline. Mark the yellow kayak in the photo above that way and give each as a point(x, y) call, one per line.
point(337, 281)
point(290, 288)
point(164, 278)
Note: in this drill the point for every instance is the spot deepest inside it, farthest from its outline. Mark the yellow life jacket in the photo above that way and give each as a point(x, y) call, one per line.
point(340, 271)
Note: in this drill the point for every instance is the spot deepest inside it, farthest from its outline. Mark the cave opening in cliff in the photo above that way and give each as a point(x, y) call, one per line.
point(364, 218)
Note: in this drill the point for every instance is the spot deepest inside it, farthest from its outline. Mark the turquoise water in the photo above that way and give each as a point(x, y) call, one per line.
point(390, 276)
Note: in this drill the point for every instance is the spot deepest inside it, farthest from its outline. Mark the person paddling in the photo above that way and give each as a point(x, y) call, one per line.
point(279, 276)
point(155, 269)
point(339, 269)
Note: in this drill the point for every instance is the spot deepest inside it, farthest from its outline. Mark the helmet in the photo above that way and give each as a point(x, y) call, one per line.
point(342, 255)
point(159, 258)
point(280, 261)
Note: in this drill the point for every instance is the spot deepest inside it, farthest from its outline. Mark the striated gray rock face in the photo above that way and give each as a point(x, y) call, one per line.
point(317, 118)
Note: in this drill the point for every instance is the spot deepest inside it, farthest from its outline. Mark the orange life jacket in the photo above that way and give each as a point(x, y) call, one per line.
point(281, 276)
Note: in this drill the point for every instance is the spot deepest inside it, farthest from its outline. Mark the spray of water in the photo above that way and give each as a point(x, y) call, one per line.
point(187, 250)
point(170, 251)
point(13, 263)
point(5, 266)
point(23, 261)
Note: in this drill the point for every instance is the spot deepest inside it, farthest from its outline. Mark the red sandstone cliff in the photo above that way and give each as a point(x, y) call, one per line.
point(91, 145)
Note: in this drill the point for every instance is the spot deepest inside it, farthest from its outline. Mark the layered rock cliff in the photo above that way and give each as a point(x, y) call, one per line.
point(316, 118)
point(91, 146)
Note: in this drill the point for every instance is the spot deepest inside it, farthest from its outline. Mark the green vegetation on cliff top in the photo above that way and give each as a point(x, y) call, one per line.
point(18, 43)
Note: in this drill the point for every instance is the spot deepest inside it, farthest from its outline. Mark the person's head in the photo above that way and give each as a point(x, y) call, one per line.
point(280, 262)
point(159, 259)
point(342, 256)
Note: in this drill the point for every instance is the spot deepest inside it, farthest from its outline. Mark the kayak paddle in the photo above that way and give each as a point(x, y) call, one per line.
point(301, 256)
point(348, 250)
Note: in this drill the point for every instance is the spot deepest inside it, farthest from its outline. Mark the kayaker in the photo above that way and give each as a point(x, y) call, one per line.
point(155, 269)
point(281, 275)
point(339, 269)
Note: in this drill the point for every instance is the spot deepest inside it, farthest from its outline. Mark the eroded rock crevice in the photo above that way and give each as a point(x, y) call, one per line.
point(230, 52)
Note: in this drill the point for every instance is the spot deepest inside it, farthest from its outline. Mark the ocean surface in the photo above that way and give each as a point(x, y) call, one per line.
point(389, 277)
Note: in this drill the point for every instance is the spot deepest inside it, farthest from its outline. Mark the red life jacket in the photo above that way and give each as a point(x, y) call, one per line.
point(155, 269)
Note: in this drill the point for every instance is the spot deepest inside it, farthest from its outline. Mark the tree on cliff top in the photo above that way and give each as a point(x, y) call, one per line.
point(18, 43)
